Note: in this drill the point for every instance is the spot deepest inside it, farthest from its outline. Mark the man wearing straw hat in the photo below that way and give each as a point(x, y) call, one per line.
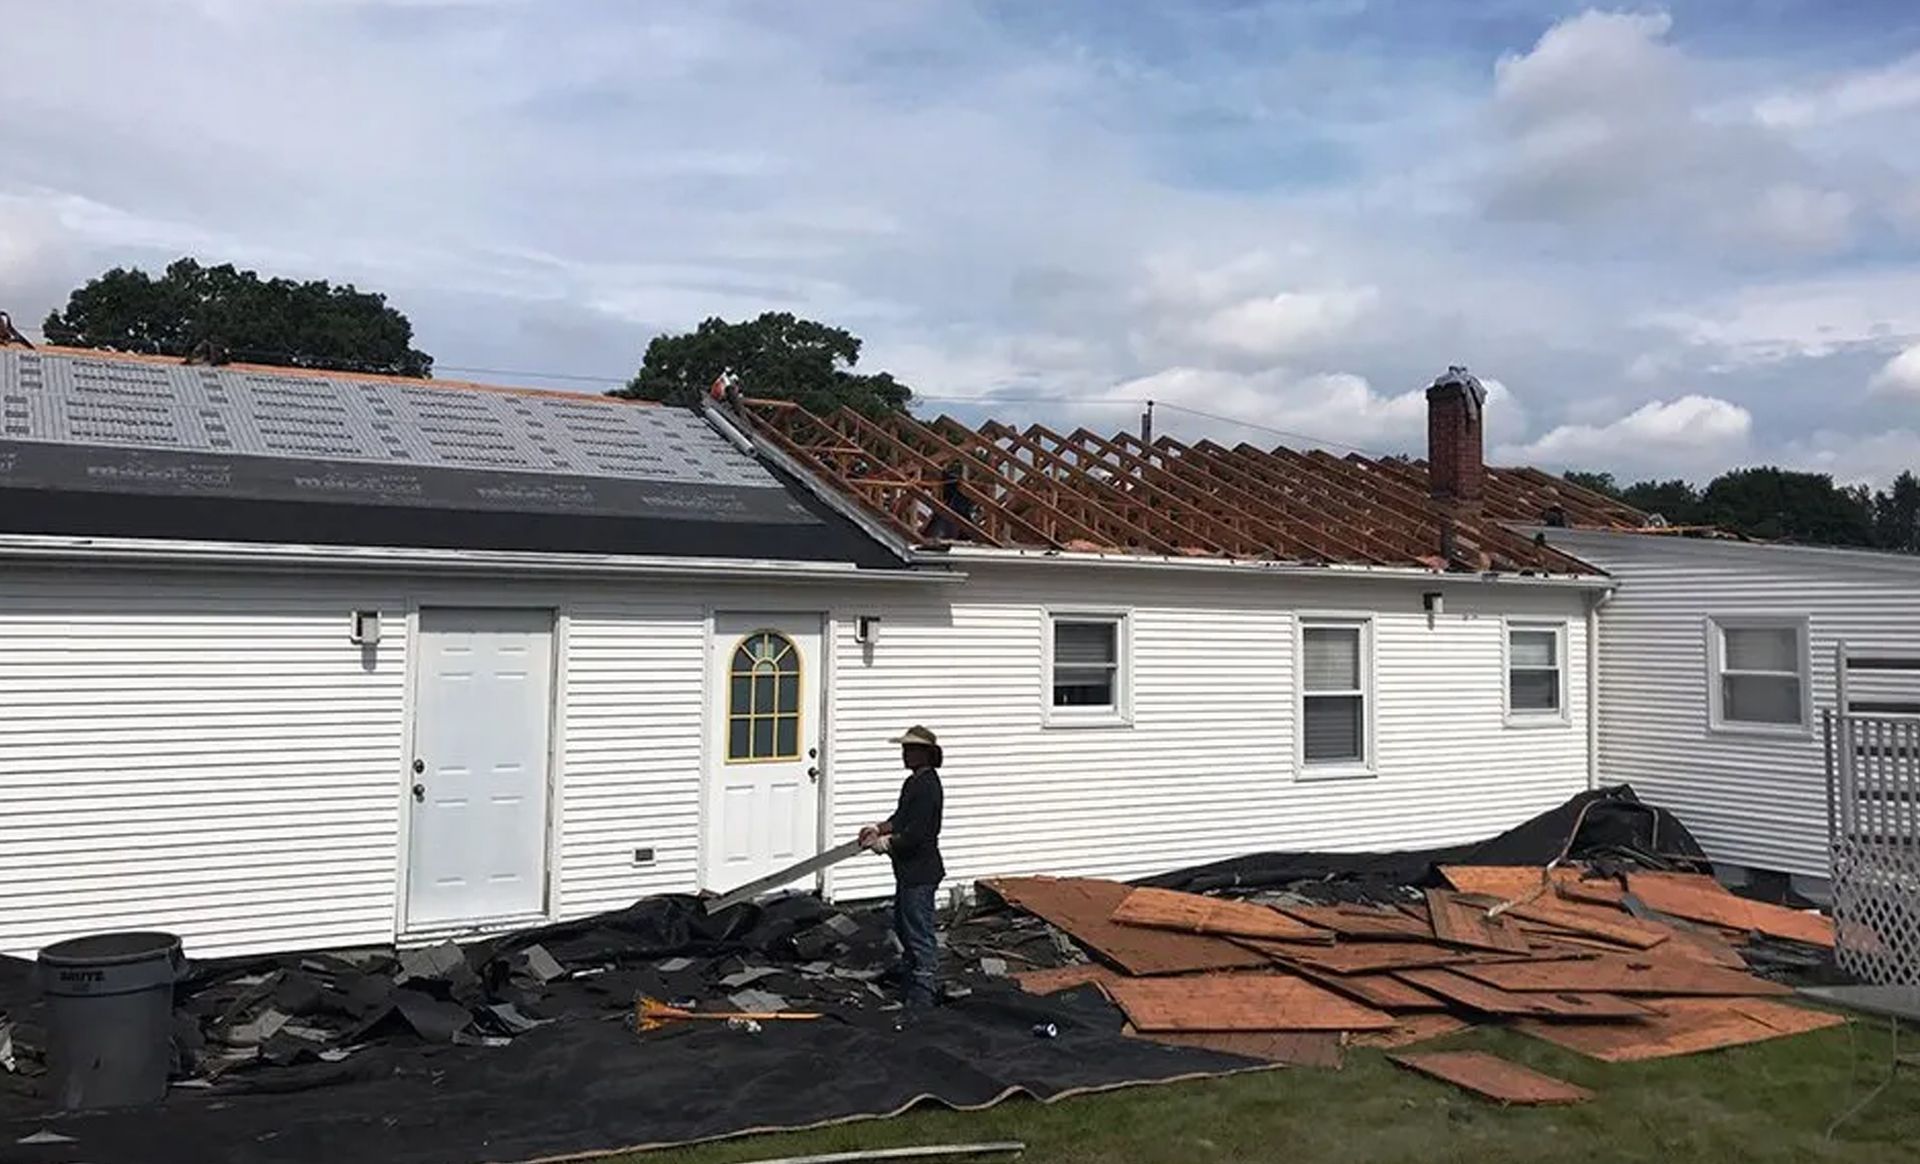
point(911, 838)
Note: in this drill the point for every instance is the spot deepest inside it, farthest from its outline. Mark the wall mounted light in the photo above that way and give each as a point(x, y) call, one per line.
point(866, 628)
point(1434, 603)
point(365, 628)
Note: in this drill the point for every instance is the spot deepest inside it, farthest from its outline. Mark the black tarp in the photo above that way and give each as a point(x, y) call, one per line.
point(1617, 824)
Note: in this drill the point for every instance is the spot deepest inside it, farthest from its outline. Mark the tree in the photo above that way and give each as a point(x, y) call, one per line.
point(1778, 503)
point(1602, 483)
point(1675, 500)
point(1896, 515)
point(777, 356)
point(223, 313)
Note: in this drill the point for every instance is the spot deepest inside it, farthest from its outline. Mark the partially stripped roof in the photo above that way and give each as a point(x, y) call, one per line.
point(942, 482)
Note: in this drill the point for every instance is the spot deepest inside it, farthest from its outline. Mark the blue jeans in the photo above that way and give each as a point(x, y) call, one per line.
point(913, 924)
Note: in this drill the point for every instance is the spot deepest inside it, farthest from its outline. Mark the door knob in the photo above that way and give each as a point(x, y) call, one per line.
point(813, 775)
point(419, 766)
point(420, 792)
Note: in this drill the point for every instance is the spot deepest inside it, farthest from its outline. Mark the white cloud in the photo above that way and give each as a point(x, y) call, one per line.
point(1282, 325)
point(1901, 375)
point(1658, 433)
point(1893, 88)
point(1852, 459)
point(1802, 318)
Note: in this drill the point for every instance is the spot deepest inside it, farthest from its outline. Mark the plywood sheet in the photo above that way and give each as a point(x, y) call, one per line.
point(1702, 899)
point(1064, 978)
point(1493, 1077)
point(1624, 975)
point(1083, 907)
point(1381, 990)
point(1241, 1002)
point(1486, 998)
point(1410, 1029)
point(1363, 921)
point(1293, 1048)
point(1687, 1026)
point(1191, 913)
point(1458, 922)
point(1604, 919)
point(1372, 957)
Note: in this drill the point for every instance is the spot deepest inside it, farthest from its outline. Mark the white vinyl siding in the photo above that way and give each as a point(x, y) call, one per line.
point(1751, 798)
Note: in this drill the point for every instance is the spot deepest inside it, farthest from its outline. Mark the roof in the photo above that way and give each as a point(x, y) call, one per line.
point(106, 444)
point(941, 483)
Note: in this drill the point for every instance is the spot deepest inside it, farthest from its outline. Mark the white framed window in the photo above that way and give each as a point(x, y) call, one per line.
point(1536, 680)
point(1335, 705)
point(1759, 674)
point(1088, 672)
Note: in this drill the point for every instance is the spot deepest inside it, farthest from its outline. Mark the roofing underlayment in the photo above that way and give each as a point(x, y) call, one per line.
point(941, 482)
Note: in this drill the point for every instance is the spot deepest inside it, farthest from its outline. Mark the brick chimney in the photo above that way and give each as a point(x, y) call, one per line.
point(1455, 465)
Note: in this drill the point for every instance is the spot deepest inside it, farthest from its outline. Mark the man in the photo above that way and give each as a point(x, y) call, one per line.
point(911, 837)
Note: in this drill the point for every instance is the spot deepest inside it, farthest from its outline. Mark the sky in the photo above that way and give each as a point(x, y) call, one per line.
point(1672, 239)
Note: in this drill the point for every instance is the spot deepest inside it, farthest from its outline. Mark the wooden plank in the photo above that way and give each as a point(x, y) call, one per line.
point(1411, 1029)
point(1624, 975)
point(1293, 1048)
point(1460, 923)
point(1373, 957)
point(1362, 921)
point(1702, 899)
point(1065, 978)
point(1686, 1026)
point(1493, 1077)
point(1241, 1002)
point(1191, 913)
point(1083, 907)
point(1489, 999)
point(1381, 990)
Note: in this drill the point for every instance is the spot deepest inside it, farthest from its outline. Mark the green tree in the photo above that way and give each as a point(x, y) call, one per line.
point(1675, 500)
point(777, 356)
point(223, 313)
point(1896, 515)
point(1602, 483)
point(1779, 503)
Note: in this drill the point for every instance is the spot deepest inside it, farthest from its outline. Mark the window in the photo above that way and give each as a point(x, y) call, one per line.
point(1333, 694)
point(1087, 669)
point(763, 699)
point(1759, 674)
point(1536, 673)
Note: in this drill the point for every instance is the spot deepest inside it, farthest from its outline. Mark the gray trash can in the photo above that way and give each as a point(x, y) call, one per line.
point(110, 1018)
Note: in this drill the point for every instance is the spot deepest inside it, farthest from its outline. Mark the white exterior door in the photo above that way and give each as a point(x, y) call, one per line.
point(478, 773)
point(763, 749)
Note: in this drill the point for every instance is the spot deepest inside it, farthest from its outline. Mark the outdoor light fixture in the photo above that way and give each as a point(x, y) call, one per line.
point(365, 629)
point(866, 628)
point(1433, 602)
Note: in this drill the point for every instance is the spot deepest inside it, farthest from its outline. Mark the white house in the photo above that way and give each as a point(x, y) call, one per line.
point(1716, 661)
point(298, 660)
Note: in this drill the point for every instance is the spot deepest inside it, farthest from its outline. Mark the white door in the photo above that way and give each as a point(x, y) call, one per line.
point(764, 748)
point(478, 774)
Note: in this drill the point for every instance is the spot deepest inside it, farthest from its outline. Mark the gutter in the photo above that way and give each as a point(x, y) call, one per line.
point(81, 551)
point(831, 498)
point(1595, 601)
point(964, 554)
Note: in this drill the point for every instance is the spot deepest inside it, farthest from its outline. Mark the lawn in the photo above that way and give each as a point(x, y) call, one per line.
point(1768, 1102)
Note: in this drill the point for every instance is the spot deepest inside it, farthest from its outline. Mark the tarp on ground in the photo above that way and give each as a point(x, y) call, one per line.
point(1618, 823)
point(592, 1085)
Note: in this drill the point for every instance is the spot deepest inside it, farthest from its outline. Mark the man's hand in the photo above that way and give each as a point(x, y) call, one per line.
point(881, 842)
point(868, 835)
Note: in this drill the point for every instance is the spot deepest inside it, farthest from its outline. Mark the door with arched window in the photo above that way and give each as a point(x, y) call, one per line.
point(763, 755)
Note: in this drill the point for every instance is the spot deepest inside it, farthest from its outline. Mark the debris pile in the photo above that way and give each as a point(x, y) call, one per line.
point(1614, 964)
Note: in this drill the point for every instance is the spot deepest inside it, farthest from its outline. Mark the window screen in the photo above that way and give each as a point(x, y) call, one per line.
point(1533, 670)
point(1761, 675)
point(1333, 697)
point(1086, 663)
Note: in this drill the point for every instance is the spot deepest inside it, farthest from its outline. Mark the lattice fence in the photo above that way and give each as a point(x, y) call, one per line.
point(1873, 823)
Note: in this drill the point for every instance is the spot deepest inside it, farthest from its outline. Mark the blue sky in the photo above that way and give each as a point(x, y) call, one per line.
point(1678, 238)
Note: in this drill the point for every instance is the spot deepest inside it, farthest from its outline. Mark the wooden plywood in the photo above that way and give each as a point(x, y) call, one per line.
point(1381, 990)
point(1493, 1077)
point(1603, 919)
point(1293, 1048)
point(1373, 957)
point(1083, 907)
point(1410, 1029)
point(1702, 899)
point(1624, 975)
point(1241, 1002)
point(1363, 921)
point(1191, 913)
point(1686, 1026)
point(1486, 998)
point(1459, 922)
point(1064, 978)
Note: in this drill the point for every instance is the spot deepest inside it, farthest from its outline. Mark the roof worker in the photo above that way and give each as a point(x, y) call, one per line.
point(911, 837)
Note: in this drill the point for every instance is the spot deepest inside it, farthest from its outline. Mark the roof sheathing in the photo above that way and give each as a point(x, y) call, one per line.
point(939, 483)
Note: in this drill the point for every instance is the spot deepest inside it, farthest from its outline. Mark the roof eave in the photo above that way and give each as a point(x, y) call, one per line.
point(1041, 557)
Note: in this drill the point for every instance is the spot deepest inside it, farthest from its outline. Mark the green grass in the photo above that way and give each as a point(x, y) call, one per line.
point(1767, 1102)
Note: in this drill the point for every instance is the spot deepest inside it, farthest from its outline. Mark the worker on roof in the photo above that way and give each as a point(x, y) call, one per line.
point(911, 837)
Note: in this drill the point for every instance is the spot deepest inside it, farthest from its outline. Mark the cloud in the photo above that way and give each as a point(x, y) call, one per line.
point(1656, 433)
point(1901, 375)
point(1893, 88)
point(1276, 326)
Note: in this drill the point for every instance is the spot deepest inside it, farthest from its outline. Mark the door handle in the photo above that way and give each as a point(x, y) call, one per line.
point(419, 766)
point(813, 775)
point(420, 792)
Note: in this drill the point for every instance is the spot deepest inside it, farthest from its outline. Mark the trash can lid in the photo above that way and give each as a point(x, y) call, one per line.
point(111, 949)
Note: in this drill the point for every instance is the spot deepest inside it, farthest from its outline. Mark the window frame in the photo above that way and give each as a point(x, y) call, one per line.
point(1117, 714)
point(1524, 717)
point(1368, 765)
point(1716, 626)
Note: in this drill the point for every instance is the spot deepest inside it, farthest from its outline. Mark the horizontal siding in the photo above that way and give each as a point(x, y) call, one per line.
point(1206, 768)
point(1758, 801)
point(208, 757)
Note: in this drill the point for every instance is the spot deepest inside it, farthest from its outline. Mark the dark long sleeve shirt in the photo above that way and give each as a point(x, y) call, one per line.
point(914, 830)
